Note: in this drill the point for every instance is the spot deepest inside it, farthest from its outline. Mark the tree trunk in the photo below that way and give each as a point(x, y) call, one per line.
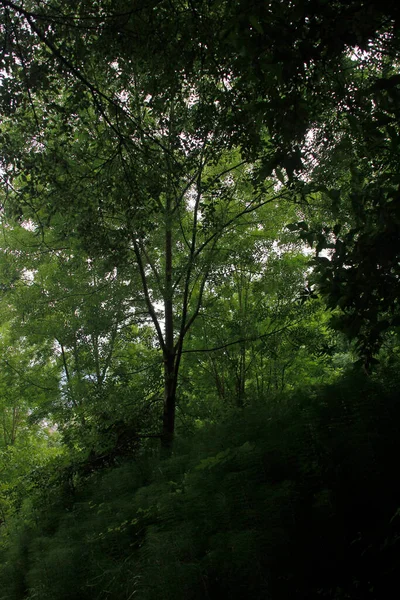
point(170, 363)
point(170, 384)
point(241, 376)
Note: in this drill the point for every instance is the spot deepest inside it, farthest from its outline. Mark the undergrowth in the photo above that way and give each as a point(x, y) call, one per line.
point(295, 497)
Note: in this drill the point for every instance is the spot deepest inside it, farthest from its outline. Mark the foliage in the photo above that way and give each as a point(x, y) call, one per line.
point(150, 133)
point(353, 178)
point(270, 501)
point(185, 188)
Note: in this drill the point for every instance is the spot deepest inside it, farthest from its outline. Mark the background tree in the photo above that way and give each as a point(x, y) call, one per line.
point(354, 179)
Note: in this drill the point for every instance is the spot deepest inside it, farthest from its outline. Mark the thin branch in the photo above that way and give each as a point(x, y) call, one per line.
point(62, 18)
point(157, 363)
point(224, 172)
point(110, 351)
point(249, 209)
point(148, 301)
point(199, 301)
point(190, 262)
point(152, 266)
point(253, 338)
point(25, 379)
point(95, 91)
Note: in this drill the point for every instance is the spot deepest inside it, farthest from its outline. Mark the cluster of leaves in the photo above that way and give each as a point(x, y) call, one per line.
point(353, 176)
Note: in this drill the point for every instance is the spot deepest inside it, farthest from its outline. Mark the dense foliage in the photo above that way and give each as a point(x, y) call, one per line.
point(293, 498)
point(199, 299)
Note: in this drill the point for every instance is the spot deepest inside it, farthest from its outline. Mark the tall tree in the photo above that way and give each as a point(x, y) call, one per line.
point(131, 127)
point(160, 179)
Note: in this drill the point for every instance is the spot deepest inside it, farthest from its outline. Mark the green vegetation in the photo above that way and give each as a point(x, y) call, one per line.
point(199, 299)
point(293, 499)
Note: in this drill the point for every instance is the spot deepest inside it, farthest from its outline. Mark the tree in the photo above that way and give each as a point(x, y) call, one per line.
point(151, 112)
point(161, 201)
point(84, 320)
point(27, 382)
point(355, 175)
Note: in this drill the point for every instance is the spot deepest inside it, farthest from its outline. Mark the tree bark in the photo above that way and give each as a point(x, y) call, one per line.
point(170, 384)
point(170, 370)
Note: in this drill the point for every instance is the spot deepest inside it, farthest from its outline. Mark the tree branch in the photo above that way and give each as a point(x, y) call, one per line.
point(253, 338)
point(249, 209)
point(95, 91)
point(29, 381)
point(148, 301)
